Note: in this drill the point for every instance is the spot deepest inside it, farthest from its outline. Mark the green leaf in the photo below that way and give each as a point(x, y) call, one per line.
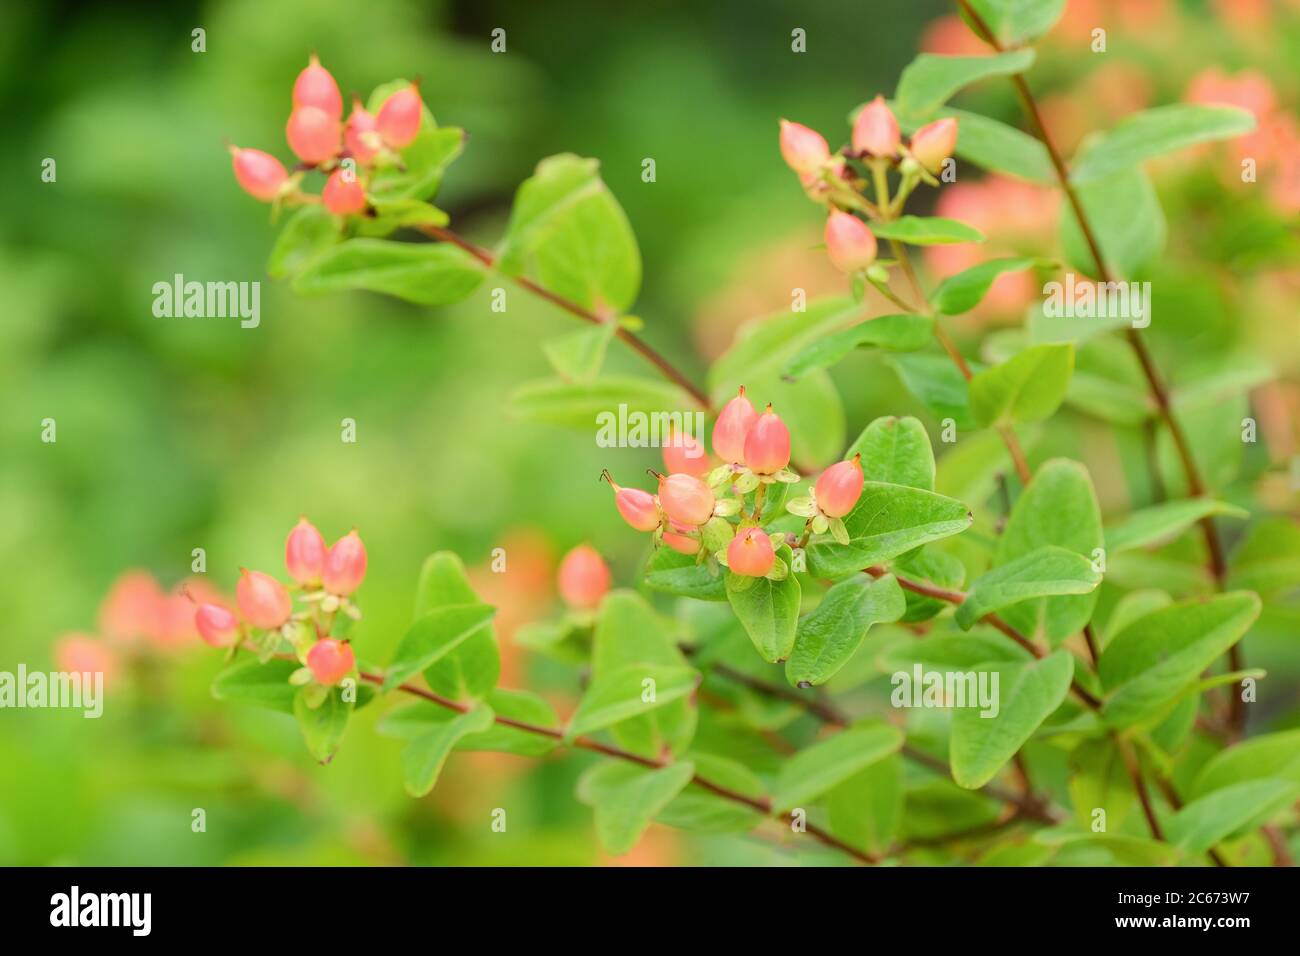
point(769, 610)
point(894, 333)
point(935, 380)
point(631, 691)
point(1268, 560)
point(1275, 756)
point(926, 231)
point(952, 652)
point(308, 232)
point(993, 145)
point(896, 451)
point(578, 356)
point(1027, 694)
point(432, 637)
point(264, 685)
point(424, 273)
point(1222, 813)
point(1154, 132)
point(627, 797)
point(472, 668)
point(962, 292)
point(569, 230)
point(323, 726)
point(832, 633)
point(765, 345)
point(1154, 657)
point(423, 758)
point(830, 762)
point(596, 405)
point(424, 162)
point(1127, 220)
point(867, 808)
point(1040, 573)
point(1059, 507)
point(696, 808)
point(887, 521)
point(675, 573)
point(939, 568)
point(1017, 21)
point(1028, 387)
point(629, 633)
point(394, 213)
point(1162, 523)
point(931, 80)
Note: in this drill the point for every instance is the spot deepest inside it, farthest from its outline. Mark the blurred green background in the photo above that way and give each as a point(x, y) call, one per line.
point(175, 434)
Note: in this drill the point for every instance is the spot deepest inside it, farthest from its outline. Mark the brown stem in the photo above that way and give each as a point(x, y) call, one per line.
point(1171, 796)
point(666, 368)
point(1139, 787)
point(761, 804)
point(957, 597)
point(1155, 382)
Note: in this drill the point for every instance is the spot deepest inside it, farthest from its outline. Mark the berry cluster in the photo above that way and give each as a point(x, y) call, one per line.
point(347, 151)
point(325, 578)
point(691, 511)
point(833, 179)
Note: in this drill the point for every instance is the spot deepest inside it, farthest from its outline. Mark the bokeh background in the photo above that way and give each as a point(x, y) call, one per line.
point(175, 434)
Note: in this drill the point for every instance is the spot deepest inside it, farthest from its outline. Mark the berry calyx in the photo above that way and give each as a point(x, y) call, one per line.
point(839, 487)
point(330, 661)
point(875, 132)
point(584, 578)
point(767, 446)
point(216, 625)
point(849, 243)
point(934, 142)
point(345, 565)
point(732, 427)
point(398, 121)
point(316, 87)
point(259, 174)
point(263, 601)
point(361, 135)
point(750, 553)
point(304, 553)
point(685, 499)
point(313, 135)
point(638, 508)
point(343, 194)
point(804, 150)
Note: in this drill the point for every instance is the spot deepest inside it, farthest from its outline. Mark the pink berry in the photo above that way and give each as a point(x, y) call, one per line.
point(584, 577)
point(83, 654)
point(304, 553)
point(839, 487)
point(345, 565)
point(216, 625)
point(361, 135)
point(399, 118)
point(132, 609)
point(682, 543)
point(330, 661)
point(264, 601)
point(849, 243)
point(343, 194)
point(259, 174)
point(934, 142)
point(313, 135)
point(686, 500)
point(734, 422)
point(750, 553)
point(767, 447)
point(638, 508)
point(316, 87)
point(804, 150)
point(875, 132)
point(683, 453)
